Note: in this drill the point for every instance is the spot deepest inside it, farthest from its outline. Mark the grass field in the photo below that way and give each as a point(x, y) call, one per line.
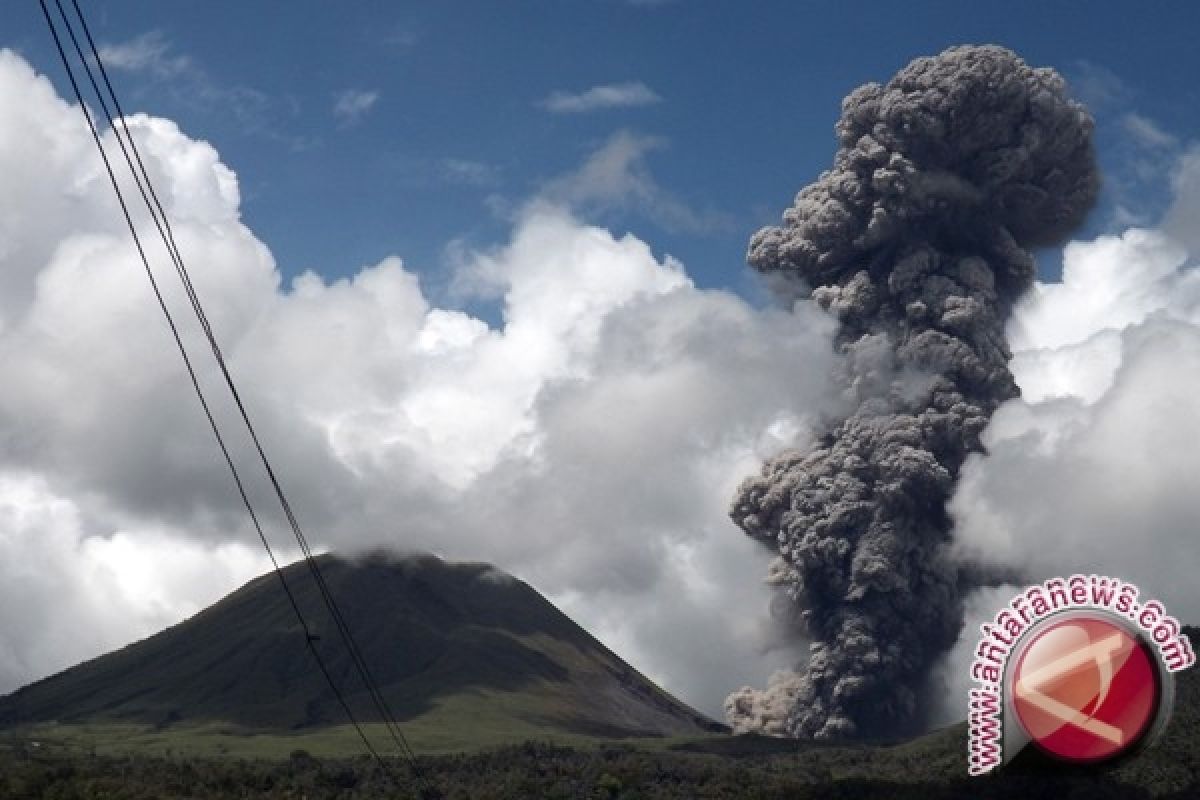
point(461, 723)
point(217, 762)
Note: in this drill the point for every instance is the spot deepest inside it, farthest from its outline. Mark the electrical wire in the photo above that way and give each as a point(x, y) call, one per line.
point(167, 234)
point(162, 223)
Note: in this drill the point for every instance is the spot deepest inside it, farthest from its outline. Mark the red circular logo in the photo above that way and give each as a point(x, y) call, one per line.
point(1085, 689)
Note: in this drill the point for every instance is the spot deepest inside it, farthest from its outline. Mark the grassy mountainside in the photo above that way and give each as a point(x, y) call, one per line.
point(458, 643)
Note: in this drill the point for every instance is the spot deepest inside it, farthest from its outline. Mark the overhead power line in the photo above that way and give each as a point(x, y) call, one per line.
point(138, 172)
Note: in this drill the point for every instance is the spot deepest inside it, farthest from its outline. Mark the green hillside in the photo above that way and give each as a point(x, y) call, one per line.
point(464, 655)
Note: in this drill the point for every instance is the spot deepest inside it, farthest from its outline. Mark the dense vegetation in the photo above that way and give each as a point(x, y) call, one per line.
point(537, 770)
point(928, 768)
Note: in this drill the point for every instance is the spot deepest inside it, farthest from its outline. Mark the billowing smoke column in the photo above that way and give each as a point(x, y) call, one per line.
point(918, 241)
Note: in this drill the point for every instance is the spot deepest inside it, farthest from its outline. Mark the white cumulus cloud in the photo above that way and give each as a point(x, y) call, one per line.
point(1093, 469)
point(588, 443)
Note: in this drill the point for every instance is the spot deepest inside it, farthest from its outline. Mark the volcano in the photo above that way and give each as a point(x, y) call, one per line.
point(436, 635)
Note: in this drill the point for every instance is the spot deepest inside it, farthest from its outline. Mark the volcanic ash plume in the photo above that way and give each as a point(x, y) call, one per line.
point(918, 242)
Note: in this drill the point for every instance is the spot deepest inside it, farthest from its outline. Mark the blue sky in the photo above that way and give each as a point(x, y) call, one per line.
point(368, 129)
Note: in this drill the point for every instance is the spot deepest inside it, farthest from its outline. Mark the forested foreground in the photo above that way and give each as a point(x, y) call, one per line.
point(542, 771)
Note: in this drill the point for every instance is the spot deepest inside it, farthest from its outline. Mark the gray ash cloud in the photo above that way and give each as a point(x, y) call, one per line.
point(918, 240)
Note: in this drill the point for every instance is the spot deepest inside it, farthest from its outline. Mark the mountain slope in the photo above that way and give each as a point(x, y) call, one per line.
point(431, 632)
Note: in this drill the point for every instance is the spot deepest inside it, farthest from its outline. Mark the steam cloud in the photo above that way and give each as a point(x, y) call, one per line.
point(918, 242)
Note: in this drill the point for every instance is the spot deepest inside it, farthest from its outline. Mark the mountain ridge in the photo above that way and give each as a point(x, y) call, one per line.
point(431, 631)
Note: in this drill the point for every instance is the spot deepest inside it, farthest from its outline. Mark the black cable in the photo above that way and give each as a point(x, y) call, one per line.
point(169, 240)
point(156, 210)
point(166, 233)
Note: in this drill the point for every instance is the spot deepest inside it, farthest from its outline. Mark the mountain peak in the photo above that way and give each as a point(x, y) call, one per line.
point(432, 632)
